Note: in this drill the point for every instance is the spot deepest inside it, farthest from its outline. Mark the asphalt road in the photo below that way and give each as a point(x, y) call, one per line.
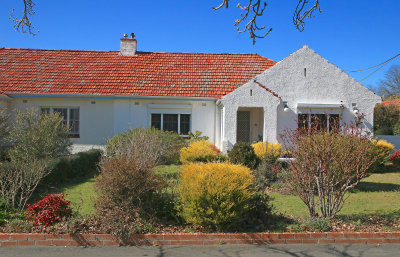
point(199, 251)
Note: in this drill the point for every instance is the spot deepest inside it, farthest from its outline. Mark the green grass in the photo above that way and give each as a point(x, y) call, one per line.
point(82, 195)
point(376, 194)
point(80, 192)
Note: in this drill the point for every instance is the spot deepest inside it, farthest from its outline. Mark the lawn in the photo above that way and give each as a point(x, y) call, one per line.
point(376, 194)
point(80, 192)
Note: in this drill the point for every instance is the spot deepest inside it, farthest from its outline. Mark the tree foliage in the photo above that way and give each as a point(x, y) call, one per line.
point(385, 118)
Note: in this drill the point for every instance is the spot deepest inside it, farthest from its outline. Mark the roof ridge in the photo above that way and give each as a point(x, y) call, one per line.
point(79, 50)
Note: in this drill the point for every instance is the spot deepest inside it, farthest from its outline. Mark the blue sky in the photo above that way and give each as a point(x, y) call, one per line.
point(351, 34)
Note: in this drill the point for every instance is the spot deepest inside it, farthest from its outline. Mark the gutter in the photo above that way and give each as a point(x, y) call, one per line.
point(114, 97)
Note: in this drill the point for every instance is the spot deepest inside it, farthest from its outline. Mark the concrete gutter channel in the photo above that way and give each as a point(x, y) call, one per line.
point(191, 239)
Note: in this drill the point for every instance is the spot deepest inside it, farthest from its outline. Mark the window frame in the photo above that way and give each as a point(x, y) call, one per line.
point(309, 120)
point(179, 121)
point(71, 134)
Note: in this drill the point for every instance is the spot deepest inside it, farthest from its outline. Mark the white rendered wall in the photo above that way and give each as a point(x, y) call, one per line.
point(321, 83)
point(136, 113)
point(96, 120)
point(249, 95)
point(108, 117)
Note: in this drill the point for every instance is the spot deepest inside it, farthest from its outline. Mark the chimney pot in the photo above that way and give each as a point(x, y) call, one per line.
point(128, 45)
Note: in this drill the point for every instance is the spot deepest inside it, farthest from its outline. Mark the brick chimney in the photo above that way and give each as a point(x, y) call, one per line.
point(128, 45)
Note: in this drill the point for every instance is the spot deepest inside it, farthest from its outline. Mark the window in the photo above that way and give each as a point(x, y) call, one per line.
point(179, 123)
point(321, 122)
point(70, 116)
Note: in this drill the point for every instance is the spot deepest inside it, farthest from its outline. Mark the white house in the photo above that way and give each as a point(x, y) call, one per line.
point(228, 97)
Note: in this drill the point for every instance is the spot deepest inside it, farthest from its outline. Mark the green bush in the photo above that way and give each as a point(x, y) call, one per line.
point(166, 152)
point(215, 195)
point(381, 150)
point(67, 168)
point(35, 136)
point(384, 131)
point(243, 153)
point(396, 129)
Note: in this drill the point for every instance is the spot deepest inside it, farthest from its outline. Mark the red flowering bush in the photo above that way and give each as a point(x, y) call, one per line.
point(395, 158)
point(49, 210)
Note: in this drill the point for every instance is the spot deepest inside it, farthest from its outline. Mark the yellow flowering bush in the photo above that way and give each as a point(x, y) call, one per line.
point(383, 150)
point(274, 150)
point(199, 151)
point(215, 195)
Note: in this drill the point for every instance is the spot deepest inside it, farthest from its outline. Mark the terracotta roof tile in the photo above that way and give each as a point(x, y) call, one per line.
point(108, 73)
point(395, 102)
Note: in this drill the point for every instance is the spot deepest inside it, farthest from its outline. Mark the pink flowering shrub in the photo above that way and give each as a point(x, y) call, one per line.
point(49, 210)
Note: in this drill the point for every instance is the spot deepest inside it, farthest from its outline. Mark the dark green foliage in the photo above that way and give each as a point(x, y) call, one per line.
point(396, 129)
point(266, 172)
point(384, 131)
point(70, 167)
point(243, 153)
point(385, 118)
point(258, 218)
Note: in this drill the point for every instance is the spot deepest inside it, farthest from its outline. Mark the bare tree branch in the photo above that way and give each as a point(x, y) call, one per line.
point(255, 8)
point(23, 24)
point(300, 14)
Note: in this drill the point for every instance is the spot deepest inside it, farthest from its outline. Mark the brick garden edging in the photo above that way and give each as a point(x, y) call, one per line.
point(21, 239)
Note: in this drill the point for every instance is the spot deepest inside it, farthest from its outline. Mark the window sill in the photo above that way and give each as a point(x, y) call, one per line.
point(74, 136)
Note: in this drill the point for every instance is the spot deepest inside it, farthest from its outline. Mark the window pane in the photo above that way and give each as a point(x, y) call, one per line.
point(334, 121)
point(45, 110)
point(185, 124)
point(74, 121)
point(302, 121)
point(170, 122)
point(319, 122)
point(156, 121)
point(63, 113)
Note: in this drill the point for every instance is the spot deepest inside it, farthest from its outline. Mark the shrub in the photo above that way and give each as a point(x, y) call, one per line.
point(215, 195)
point(328, 164)
point(4, 130)
point(19, 180)
point(35, 136)
point(70, 167)
point(164, 146)
point(199, 151)
point(243, 153)
point(266, 173)
point(381, 150)
point(126, 189)
point(196, 136)
point(396, 129)
point(261, 149)
point(395, 158)
point(49, 210)
point(385, 117)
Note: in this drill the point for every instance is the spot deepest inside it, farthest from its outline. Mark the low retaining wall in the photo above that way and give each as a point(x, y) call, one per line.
point(17, 239)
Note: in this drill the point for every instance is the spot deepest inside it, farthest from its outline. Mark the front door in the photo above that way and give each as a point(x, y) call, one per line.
point(243, 126)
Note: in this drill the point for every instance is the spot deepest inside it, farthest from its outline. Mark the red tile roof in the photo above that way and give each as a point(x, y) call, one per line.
point(108, 73)
point(395, 102)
